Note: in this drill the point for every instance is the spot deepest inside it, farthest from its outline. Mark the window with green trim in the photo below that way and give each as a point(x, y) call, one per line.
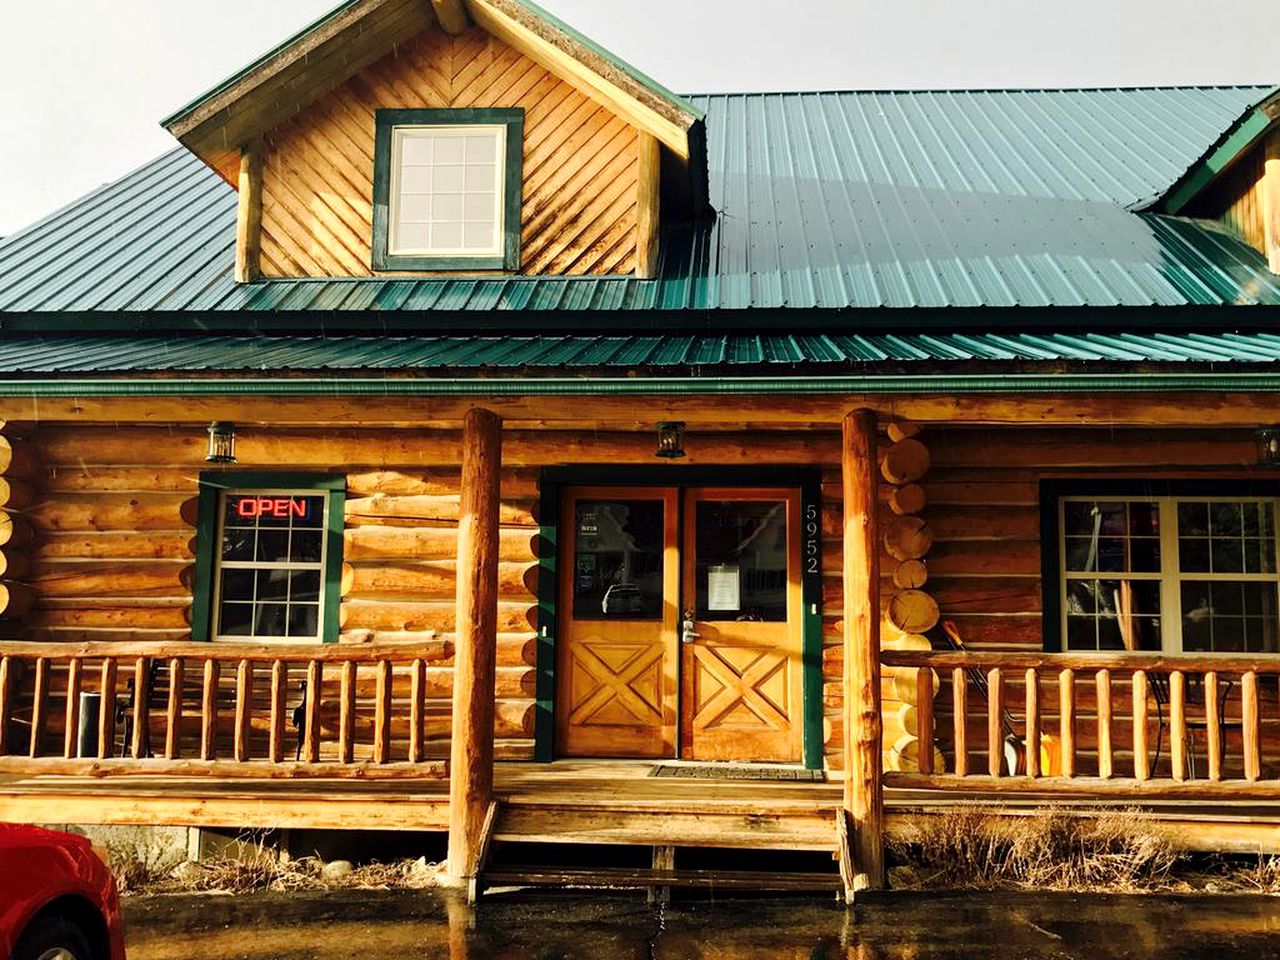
point(447, 189)
point(269, 559)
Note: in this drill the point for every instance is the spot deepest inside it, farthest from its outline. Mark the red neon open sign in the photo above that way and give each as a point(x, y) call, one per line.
point(282, 507)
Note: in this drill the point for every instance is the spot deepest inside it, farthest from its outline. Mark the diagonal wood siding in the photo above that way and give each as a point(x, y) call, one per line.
point(1236, 199)
point(580, 162)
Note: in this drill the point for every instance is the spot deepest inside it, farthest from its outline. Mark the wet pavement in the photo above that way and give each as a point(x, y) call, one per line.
point(971, 926)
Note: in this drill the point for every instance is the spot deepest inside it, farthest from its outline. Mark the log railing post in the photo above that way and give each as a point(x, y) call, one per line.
point(995, 721)
point(1212, 725)
point(1178, 724)
point(71, 728)
point(173, 712)
point(1067, 722)
point(6, 703)
point(1249, 726)
point(1106, 758)
point(960, 719)
point(1141, 713)
point(863, 726)
point(924, 720)
point(1033, 724)
point(475, 657)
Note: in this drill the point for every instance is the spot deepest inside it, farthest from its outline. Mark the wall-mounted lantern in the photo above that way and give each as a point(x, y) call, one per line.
point(222, 443)
point(670, 440)
point(1267, 440)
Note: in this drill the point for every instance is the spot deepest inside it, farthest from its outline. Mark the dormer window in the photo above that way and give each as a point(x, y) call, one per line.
point(447, 190)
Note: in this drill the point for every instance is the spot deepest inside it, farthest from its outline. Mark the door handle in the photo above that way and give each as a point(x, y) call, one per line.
point(687, 633)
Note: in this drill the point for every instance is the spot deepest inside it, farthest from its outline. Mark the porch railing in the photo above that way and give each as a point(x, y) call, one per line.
point(1093, 723)
point(224, 710)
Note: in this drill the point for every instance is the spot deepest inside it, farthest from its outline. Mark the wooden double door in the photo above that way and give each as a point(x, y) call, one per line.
point(680, 624)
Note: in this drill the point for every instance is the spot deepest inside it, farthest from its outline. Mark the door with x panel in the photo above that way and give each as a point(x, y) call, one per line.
point(617, 657)
point(742, 686)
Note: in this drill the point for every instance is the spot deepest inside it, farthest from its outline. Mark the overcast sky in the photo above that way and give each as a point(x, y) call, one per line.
point(83, 83)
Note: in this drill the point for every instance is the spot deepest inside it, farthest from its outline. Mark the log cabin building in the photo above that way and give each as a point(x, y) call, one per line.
point(893, 446)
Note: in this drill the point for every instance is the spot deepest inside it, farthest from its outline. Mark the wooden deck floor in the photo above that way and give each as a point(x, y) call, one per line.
point(604, 802)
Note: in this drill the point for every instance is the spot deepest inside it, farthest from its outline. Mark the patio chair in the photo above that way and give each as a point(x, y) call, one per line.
point(1159, 683)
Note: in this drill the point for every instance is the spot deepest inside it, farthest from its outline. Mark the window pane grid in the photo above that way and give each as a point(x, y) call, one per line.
point(446, 196)
point(1217, 591)
point(270, 599)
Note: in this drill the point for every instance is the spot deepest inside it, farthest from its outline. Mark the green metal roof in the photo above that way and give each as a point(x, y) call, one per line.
point(1240, 137)
point(973, 208)
point(707, 355)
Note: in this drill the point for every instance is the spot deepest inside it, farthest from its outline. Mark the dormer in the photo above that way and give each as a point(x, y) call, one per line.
point(1237, 182)
point(444, 138)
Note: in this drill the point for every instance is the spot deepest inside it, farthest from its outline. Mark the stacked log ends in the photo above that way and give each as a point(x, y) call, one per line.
point(909, 612)
point(19, 471)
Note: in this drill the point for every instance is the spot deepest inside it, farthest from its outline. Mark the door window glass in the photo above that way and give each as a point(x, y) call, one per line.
point(741, 554)
point(618, 553)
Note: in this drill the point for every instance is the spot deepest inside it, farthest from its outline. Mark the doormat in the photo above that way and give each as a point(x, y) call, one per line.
point(721, 771)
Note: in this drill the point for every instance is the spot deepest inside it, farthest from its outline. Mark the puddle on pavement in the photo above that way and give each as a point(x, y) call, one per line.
point(1001, 926)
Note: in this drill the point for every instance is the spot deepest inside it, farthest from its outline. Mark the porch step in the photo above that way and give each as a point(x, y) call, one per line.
point(620, 878)
point(705, 824)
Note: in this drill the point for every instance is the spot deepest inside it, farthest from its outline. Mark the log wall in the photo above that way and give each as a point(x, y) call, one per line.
point(581, 162)
point(984, 564)
point(113, 521)
point(114, 555)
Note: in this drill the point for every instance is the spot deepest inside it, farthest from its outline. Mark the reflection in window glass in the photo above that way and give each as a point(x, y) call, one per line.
point(618, 557)
point(1227, 537)
point(1119, 537)
point(1113, 615)
point(1217, 575)
point(1229, 616)
point(741, 553)
point(270, 565)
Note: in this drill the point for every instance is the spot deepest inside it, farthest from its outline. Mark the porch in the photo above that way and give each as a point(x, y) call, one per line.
point(425, 716)
point(600, 802)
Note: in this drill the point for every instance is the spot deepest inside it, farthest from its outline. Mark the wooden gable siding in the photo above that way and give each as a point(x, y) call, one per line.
point(580, 162)
point(1237, 199)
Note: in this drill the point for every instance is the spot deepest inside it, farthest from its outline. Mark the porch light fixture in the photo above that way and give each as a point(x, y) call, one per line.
point(1267, 440)
point(670, 440)
point(222, 443)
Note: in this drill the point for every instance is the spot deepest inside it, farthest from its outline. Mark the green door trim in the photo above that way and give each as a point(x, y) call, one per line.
point(554, 480)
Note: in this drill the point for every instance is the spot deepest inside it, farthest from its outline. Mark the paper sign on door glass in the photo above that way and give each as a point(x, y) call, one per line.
point(724, 587)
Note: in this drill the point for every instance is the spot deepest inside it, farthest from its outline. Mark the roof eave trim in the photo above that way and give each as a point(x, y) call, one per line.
point(672, 115)
point(1237, 140)
point(1058, 383)
point(183, 120)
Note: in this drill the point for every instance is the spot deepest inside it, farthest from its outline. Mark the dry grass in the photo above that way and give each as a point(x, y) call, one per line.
point(140, 858)
point(268, 873)
point(977, 848)
point(142, 867)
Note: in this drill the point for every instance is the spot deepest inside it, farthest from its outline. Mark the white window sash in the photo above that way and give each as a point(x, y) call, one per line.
point(1171, 576)
point(398, 136)
point(219, 565)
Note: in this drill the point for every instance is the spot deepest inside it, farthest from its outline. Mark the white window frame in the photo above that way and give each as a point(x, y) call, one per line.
point(1170, 576)
point(398, 136)
point(215, 631)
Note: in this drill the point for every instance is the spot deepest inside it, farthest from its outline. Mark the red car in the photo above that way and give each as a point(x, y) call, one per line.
point(58, 900)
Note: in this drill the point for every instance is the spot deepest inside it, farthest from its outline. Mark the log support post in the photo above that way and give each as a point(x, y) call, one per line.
point(648, 190)
point(863, 738)
point(451, 15)
point(1271, 200)
point(475, 659)
point(249, 213)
